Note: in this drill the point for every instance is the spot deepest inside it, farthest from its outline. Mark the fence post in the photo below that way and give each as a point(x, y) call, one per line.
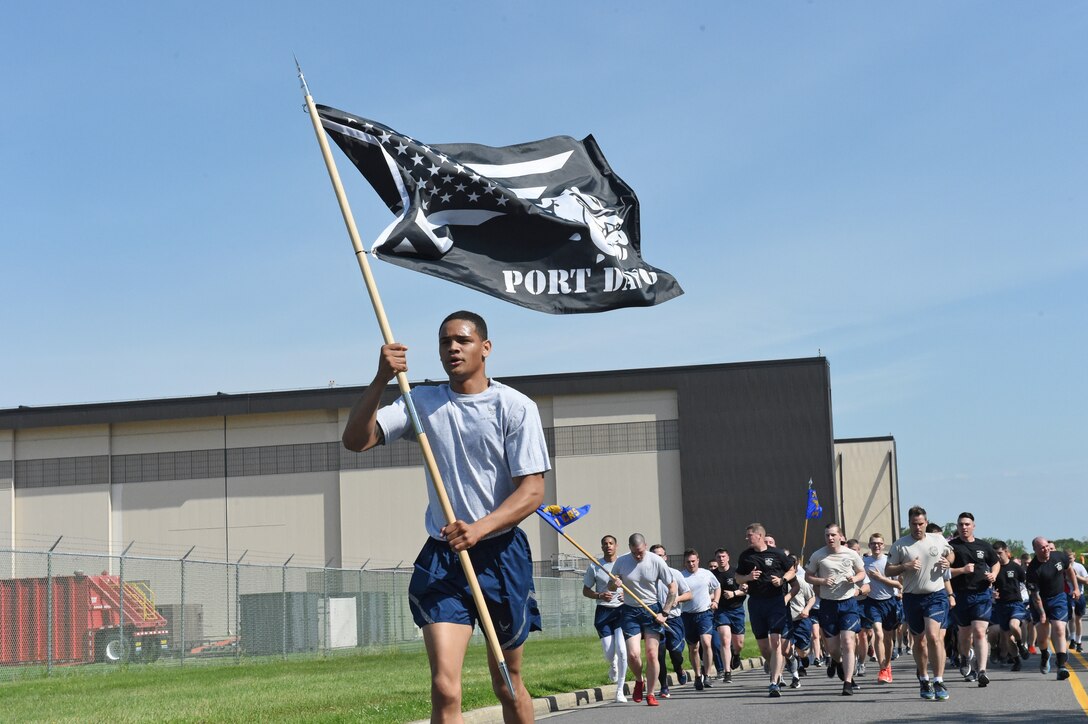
point(123, 653)
point(49, 622)
point(181, 613)
point(238, 604)
point(285, 604)
point(328, 609)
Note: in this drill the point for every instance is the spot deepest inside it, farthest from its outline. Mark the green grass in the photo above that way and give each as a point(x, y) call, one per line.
point(391, 687)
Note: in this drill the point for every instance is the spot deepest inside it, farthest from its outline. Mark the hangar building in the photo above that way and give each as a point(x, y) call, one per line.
point(686, 455)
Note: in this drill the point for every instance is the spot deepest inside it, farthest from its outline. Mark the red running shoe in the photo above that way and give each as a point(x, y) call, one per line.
point(637, 696)
point(651, 700)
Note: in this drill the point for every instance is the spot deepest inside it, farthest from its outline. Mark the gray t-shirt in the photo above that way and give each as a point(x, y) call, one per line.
point(682, 587)
point(598, 579)
point(841, 566)
point(642, 576)
point(702, 584)
point(481, 443)
point(804, 594)
point(930, 550)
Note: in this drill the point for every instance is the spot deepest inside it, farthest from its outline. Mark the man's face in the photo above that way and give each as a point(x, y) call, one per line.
point(692, 563)
point(608, 547)
point(1003, 556)
point(918, 527)
point(1041, 548)
point(966, 528)
point(876, 547)
point(713, 565)
point(461, 350)
point(660, 551)
point(755, 538)
point(769, 539)
point(723, 560)
point(638, 550)
point(832, 537)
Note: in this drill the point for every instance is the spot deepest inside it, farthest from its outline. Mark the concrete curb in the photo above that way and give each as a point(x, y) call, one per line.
point(545, 705)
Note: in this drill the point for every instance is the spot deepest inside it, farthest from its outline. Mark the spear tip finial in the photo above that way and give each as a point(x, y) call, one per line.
point(301, 77)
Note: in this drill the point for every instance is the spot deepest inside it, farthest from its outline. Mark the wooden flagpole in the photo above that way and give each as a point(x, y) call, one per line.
point(402, 380)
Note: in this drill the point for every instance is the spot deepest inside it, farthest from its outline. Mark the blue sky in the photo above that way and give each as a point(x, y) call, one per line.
point(902, 187)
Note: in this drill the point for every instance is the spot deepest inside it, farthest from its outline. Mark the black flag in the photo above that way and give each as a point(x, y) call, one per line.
point(546, 224)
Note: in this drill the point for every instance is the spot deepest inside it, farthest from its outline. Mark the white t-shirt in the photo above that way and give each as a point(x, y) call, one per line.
point(598, 579)
point(702, 583)
point(840, 566)
point(930, 550)
point(1080, 572)
point(642, 576)
point(481, 443)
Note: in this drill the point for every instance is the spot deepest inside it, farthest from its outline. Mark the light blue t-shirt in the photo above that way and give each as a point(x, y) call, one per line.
point(481, 443)
point(878, 591)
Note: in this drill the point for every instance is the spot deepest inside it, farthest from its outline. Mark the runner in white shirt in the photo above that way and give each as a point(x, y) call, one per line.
point(921, 560)
point(835, 569)
point(880, 609)
point(698, 614)
point(608, 618)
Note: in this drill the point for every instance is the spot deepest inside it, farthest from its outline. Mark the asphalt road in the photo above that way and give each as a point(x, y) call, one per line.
point(1025, 696)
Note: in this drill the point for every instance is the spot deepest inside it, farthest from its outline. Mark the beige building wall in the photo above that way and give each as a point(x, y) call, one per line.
point(80, 513)
point(381, 516)
point(348, 516)
point(867, 488)
point(628, 492)
point(7, 499)
point(632, 493)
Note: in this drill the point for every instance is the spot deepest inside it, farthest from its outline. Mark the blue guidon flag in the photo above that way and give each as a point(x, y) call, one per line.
point(814, 509)
point(546, 225)
point(560, 516)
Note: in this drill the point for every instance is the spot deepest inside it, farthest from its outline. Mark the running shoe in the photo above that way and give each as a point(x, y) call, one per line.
point(819, 661)
point(896, 652)
point(664, 693)
point(983, 680)
point(651, 700)
point(1063, 674)
point(620, 698)
point(908, 648)
point(727, 677)
point(706, 682)
point(1079, 649)
point(971, 676)
point(831, 669)
point(1015, 665)
point(682, 678)
point(795, 682)
point(927, 691)
point(847, 689)
point(1032, 650)
point(698, 683)
point(1044, 662)
point(965, 669)
point(637, 695)
point(854, 688)
point(885, 676)
point(773, 691)
point(859, 670)
point(1023, 650)
point(736, 660)
point(939, 692)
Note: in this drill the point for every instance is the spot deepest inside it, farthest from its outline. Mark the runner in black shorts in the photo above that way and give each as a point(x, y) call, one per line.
point(974, 570)
point(767, 571)
point(729, 613)
point(1047, 576)
point(1010, 612)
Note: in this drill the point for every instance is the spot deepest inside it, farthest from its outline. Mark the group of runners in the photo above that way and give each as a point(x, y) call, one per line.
point(966, 601)
point(488, 445)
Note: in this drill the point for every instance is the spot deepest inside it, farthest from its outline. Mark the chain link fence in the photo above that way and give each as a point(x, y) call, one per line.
point(67, 609)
